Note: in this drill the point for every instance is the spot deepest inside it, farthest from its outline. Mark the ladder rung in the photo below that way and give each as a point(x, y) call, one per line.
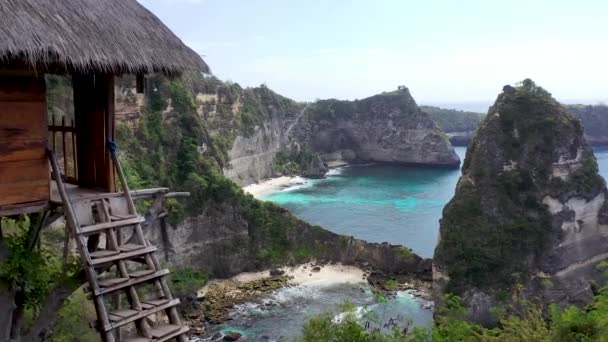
point(128, 247)
point(148, 304)
point(131, 282)
point(181, 331)
point(107, 225)
point(138, 339)
point(140, 273)
point(141, 314)
point(163, 330)
point(118, 315)
point(117, 217)
point(123, 256)
point(109, 282)
point(102, 253)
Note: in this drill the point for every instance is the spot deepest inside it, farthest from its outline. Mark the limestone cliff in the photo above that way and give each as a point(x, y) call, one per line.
point(529, 216)
point(595, 122)
point(388, 127)
point(263, 134)
point(183, 139)
point(225, 240)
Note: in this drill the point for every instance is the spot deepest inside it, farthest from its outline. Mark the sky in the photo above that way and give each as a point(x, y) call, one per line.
point(443, 51)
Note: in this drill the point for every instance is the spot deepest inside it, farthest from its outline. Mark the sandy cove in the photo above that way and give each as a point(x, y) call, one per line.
point(264, 187)
point(218, 296)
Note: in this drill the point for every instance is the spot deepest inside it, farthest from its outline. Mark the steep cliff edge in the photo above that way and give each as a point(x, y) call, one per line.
point(529, 216)
point(219, 229)
point(263, 134)
point(388, 127)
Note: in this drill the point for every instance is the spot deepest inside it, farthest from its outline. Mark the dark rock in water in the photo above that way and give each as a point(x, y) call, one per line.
point(316, 269)
point(218, 335)
point(530, 209)
point(277, 272)
point(232, 336)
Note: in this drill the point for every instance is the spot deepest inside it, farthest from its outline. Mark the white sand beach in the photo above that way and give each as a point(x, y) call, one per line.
point(300, 275)
point(266, 186)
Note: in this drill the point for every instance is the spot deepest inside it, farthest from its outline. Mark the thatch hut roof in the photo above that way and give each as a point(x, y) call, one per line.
point(116, 36)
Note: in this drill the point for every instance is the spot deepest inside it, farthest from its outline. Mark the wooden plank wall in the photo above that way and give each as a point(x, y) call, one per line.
point(24, 170)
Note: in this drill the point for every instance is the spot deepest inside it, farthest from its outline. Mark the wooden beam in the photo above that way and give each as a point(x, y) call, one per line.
point(24, 208)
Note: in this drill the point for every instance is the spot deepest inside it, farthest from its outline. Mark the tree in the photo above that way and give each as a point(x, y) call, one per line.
point(31, 280)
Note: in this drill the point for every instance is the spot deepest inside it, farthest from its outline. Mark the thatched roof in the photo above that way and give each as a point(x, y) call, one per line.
point(117, 36)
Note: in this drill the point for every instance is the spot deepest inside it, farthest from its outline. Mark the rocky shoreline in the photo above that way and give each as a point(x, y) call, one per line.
point(212, 304)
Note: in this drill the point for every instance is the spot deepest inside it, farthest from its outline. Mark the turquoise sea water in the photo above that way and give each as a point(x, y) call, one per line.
point(376, 202)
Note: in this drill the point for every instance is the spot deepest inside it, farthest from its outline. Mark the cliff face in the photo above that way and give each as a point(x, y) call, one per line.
point(388, 127)
point(254, 125)
point(529, 216)
point(224, 240)
point(458, 125)
point(185, 138)
point(595, 122)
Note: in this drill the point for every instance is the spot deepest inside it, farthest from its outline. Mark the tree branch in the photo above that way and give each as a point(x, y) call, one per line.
point(48, 315)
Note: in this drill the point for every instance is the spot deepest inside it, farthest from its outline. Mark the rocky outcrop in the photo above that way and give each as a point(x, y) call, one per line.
point(529, 217)
point(388, 127)
point(223, 242)
point(460, 138)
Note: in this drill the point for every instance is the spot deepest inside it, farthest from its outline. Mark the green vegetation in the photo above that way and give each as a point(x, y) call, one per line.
point(59, 98)
point(496, 228)
point(73, 320)
point(175, 149)
point(528, 323)
point(525, 322)
point(324, 327)
point(294, 161)
point(185, 281)
point(451, 120)
point(36, 269)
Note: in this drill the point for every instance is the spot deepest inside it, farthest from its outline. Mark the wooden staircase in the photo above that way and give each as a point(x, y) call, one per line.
point(123, 268)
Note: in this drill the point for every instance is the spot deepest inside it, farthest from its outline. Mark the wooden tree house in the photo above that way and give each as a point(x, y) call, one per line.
point(91, 41)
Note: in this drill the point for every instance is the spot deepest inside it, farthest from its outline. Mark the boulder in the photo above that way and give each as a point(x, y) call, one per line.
point(232, 336)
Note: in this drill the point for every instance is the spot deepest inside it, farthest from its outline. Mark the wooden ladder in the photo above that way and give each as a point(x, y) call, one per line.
point(133, 263)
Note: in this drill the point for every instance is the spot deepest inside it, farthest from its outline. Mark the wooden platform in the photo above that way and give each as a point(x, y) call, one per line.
point(77, 193)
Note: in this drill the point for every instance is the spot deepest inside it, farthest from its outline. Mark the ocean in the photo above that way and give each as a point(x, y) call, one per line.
point(375, 202)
